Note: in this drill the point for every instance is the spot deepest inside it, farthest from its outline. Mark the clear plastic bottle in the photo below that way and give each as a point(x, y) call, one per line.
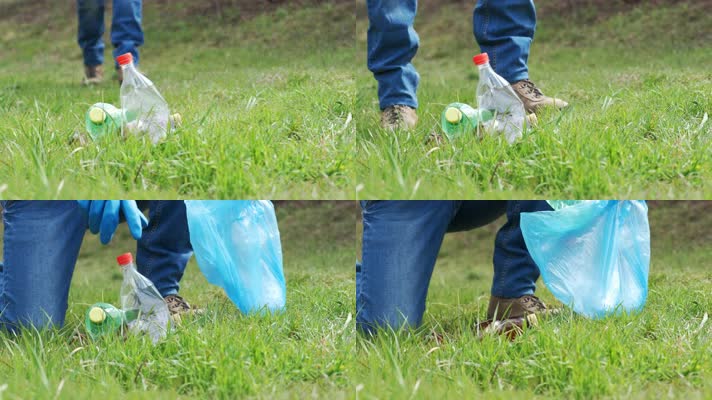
point(139, 293)
point(496, 94)
point(103, 318)
point(104, 119)
point(140, 96)
point(459, 119)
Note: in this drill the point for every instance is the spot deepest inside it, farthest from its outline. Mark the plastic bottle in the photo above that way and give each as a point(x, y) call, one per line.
point(496, 94)
point(139, 293)
point(104, 119)
point(139, 96)
point(103, 318)
point(459, 118)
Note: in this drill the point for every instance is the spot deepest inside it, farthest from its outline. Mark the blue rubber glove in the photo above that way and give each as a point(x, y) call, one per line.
point(104, 217)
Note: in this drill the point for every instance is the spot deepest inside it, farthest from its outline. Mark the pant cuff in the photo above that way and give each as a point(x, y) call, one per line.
point(403, 101)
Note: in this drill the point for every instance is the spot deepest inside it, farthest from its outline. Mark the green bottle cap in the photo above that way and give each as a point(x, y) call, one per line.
point(453, 115)
point(97, 115)
point(97, 315)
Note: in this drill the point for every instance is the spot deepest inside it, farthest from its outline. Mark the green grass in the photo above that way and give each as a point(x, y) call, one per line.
point(266, 102)
point(312, 349)
point(281, 105)
point(640, 88)
point(308, 349)
point(662, 352)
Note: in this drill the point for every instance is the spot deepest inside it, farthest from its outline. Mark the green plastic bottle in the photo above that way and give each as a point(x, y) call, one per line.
point(104, 119)
point(459, 119)
point(103, 318)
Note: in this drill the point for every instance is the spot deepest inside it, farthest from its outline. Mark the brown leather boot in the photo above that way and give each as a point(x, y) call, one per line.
point(510, 328)
point(533, 98)
point(501, 308)
point(93, 75)
point(398, 117)
point(178, 307)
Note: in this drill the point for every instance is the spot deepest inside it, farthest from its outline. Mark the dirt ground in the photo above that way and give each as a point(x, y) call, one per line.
point(43, 10)
point(598, 9)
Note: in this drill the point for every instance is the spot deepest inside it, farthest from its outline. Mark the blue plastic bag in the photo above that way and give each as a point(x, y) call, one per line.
point(594, 256)
point(237, 246)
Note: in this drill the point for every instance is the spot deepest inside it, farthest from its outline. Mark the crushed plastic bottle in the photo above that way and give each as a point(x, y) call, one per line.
point(496, 94)
point(459, 118)
point(102, 319)
point(139, 293)
point(104, 119)
point(139, 96)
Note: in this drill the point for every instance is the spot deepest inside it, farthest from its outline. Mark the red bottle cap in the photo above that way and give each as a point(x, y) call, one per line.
point(124, 59)
point(124, 259)
point(481, 59)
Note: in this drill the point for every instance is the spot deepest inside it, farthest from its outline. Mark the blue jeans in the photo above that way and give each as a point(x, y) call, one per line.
point(401, 241)
point(503, 29)
point(392, 44)
point(126, 33)
point(40, 247)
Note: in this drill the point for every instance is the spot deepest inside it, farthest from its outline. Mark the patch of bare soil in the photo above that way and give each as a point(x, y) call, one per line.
point(247, 8)
point(592, 10)
point(45, 10)
point(684, 223)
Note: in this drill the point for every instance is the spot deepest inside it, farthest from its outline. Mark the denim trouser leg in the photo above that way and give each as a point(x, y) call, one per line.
point(126, 32)
point(392, 44)
point(41, 243)
point(164, 249)
point(473, 214)
point(91, 30)
point(515, 273)
point(401, 241)
point(505, 30)
point(40, 246)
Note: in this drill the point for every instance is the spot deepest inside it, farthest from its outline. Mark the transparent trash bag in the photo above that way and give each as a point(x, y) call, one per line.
point(237, 246)
point(594, 256)
point(139, 294)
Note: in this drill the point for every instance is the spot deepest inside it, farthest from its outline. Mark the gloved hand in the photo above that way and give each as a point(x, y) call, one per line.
point(104, 217)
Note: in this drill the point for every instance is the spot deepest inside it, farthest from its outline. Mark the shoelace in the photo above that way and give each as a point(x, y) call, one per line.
point(531, 88)
point(178, 302)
